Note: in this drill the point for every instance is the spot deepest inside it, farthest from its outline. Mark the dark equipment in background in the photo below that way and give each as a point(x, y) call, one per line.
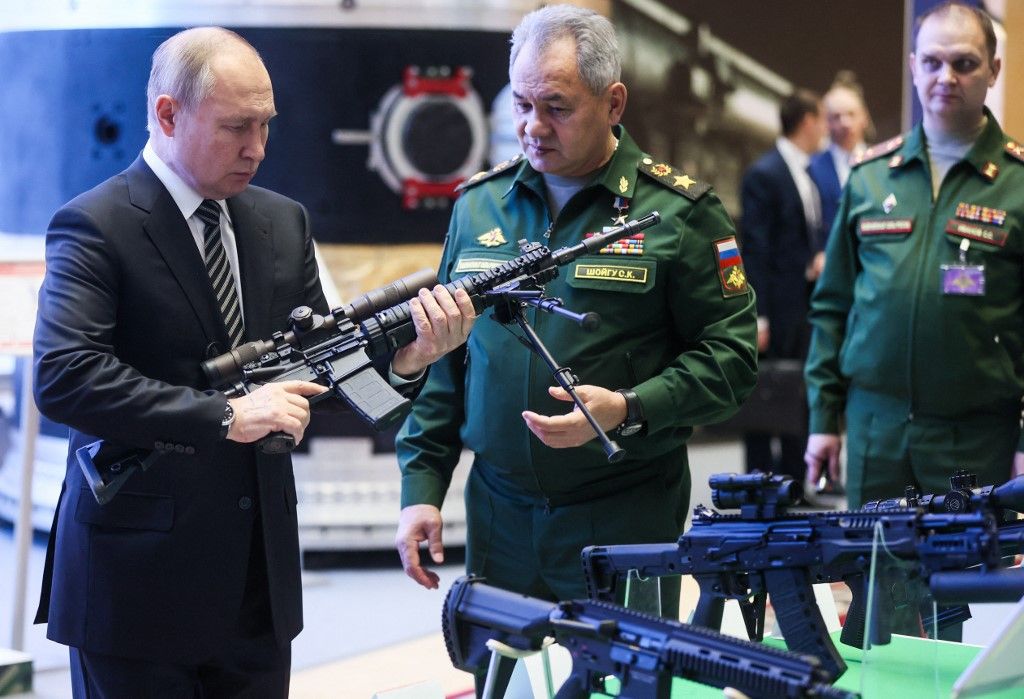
point(90, 86)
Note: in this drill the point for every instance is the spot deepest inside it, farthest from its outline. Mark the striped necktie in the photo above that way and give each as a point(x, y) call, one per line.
point(220, 271)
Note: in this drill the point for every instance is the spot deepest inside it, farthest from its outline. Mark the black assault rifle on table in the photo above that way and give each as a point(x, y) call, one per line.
point(964, 496)
point(337, 350)
point(766, 550)
point(643, 652)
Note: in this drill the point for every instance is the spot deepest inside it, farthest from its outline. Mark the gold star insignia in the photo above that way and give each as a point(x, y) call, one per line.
point(619, 220)
point(685, 181)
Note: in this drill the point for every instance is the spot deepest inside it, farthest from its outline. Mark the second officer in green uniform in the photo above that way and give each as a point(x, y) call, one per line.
point(919, 315)
point(675, 348)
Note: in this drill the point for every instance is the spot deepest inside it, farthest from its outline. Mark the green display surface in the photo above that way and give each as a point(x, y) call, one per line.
point(913, 667)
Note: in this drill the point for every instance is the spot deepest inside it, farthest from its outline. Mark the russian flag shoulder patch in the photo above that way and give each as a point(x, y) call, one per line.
point(731, 274)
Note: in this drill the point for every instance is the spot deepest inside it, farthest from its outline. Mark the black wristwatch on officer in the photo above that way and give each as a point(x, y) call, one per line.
point(226, 421)
point(635, 420)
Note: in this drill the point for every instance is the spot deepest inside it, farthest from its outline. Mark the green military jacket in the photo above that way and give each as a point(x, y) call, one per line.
point(678, 327)
point(882, 320)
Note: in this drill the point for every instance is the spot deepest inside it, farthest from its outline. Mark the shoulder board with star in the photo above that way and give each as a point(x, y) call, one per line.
point(673, 178)
point(878, 150)
point(488, 174)
point(1015, 149)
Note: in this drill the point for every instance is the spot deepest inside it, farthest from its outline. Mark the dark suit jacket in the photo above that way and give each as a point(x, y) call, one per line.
point(126, 316)
point(823, 172)
point(777, 247)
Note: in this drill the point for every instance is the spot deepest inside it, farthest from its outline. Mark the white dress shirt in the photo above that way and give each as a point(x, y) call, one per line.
point(797, 162)
point(188, 201)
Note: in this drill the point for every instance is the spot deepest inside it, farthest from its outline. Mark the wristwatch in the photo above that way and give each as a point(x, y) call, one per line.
point(226, 421)
point(634, 421)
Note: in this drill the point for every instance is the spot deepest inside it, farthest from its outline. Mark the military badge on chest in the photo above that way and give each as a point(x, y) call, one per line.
point(962, 279)
point(971, 222)
point(492, 238)
point(633, 245)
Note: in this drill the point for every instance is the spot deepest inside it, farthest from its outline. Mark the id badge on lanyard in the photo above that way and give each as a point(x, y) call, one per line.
point(963, 279)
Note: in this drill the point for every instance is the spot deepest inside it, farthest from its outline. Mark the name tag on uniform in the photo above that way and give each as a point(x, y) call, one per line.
point(476, 264)
point(615, 273)
point(886, 226)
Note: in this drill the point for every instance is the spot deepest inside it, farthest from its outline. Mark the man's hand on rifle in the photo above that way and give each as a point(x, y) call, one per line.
point(416, 524)
point(442, 323)
point(573, 429)
point(273, 407)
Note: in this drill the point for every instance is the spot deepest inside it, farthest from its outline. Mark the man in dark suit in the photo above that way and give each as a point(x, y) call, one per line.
point(187, 583)
point(848, 123)
point(781, 218)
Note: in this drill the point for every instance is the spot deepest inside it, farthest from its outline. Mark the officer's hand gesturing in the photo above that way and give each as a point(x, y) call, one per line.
point(442, 323)
point(273, 407)
point(416, 524)
point(573, 429)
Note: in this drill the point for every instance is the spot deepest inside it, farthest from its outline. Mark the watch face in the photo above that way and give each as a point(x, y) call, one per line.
point(628, 430)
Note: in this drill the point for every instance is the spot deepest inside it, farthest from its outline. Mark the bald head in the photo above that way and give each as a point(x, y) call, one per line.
point(183, 66)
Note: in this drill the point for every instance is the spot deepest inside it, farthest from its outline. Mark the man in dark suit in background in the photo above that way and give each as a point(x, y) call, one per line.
point(187, 583)
point(848, 125)
point(780, 223)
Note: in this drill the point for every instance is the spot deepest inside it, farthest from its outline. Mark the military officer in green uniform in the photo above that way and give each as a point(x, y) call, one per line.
point(676, 345)
point(919, 316)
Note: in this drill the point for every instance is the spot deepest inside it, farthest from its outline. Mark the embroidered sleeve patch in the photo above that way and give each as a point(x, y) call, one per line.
point(730, 267)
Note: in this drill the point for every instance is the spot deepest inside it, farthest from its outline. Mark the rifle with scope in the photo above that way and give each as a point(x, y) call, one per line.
point(643, 652)
point(338, 349)
point(964, 496)
point(767, 551)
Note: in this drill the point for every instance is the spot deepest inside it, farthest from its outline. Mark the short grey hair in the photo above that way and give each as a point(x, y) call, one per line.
point(181, 67)
point(597, 49)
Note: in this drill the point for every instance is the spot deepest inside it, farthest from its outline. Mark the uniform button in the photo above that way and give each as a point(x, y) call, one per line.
point(180, 448)
point(910, 416)
point(159, 446)
point(244, 502)
point(190, 450)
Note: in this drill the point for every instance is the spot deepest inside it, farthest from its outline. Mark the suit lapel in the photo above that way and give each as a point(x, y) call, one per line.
point(171, 235)
point(256, 260)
